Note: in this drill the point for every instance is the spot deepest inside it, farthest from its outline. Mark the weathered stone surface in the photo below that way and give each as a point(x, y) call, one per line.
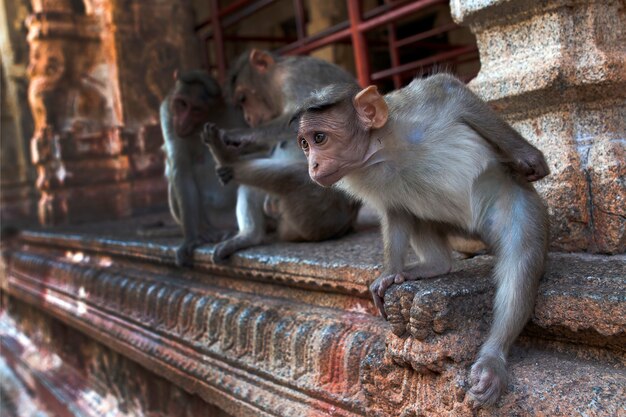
point(82, 377)
point(557, 71)
point(289, 329)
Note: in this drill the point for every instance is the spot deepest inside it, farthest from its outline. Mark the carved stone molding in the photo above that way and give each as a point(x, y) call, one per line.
point(260, 355)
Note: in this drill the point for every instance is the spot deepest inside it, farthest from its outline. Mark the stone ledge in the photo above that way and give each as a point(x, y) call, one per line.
point(263, 336)
point(582, 298)
point(248, 355)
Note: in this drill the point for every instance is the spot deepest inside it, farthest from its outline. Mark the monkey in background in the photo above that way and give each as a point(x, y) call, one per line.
point(424, 157)
point(276, 188)
point(197, 201)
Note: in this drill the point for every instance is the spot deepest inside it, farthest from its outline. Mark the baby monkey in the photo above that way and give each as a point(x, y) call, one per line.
point(427, 158)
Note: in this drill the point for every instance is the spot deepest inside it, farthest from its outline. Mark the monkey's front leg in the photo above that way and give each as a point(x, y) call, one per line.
point(215, 140)
point(227, 149)
point(429, 243)
point(395, 231)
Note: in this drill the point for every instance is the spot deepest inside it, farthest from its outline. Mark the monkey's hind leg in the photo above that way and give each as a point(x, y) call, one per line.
point(251, 222)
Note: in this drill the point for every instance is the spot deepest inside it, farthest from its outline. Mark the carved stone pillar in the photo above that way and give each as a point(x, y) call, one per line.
point(99, 70)
point(17, 194)
point(557, 71)
point(77, 144)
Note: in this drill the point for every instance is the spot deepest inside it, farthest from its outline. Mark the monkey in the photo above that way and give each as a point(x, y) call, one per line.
point(423, 157)
point(276, 190)
point(197, 201)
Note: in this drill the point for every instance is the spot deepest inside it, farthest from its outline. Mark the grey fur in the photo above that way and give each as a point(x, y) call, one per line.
point(438, 169)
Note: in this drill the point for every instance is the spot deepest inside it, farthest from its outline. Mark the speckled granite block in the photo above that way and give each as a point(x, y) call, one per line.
point(557, 71)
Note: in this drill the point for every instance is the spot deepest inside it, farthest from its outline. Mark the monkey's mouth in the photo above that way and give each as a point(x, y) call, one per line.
point(327, 180)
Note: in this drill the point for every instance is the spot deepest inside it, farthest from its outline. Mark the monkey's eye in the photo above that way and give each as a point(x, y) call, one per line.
point(319, 137)
point(304, 144)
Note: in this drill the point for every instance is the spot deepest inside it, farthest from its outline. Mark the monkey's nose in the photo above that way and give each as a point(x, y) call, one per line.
point(315, 166)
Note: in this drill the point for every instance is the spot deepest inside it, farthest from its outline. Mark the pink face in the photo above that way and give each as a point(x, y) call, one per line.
point(331, 150)
point(255, 110)
point(188, 115)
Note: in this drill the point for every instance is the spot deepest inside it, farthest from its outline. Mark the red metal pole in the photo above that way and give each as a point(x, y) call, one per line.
point(218, 40)
point(233, 7)
point(394, 53)
point(300, 23)
point(396, 14)
point(361, 56)
point(319, 43)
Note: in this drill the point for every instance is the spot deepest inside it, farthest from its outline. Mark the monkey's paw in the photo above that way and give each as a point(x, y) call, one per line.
point(488, 378)
point(225, 174)
point(380, 286)
point(184, 253)
point(534, 167)
point(223, 251)
point(210, 134)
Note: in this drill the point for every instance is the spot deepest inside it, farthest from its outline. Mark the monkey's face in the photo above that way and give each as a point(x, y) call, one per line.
point(332, 145)
point(188, 115)
point(256, 110)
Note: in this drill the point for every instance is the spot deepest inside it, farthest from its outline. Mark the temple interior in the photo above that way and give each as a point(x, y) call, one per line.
point(97, 318)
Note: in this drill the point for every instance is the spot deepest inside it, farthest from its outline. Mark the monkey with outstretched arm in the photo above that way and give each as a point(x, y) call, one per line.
point(424, 157)
point(197, 201)
point(276, 188)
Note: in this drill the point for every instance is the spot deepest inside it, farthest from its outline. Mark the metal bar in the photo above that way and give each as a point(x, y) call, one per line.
point(257, 38)
point(218, 41)
point(383, 9)
point(231, 8)
point(423, 62)
point(425, 35)
point(394, 53)
point(298, 8)
point(361, 56)
point(397, 14)
point(246, 12)
point(319, 43)
point(342, 30)
point(302, 46)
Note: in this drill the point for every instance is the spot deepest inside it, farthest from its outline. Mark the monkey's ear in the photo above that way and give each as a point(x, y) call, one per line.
point(371, 107)
point(261, 60)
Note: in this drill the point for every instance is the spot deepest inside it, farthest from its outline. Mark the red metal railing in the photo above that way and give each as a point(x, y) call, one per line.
point(353, 31)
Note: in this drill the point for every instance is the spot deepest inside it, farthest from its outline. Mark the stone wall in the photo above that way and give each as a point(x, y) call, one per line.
point(17, 188)
point(557, 70)
point(98, 71)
